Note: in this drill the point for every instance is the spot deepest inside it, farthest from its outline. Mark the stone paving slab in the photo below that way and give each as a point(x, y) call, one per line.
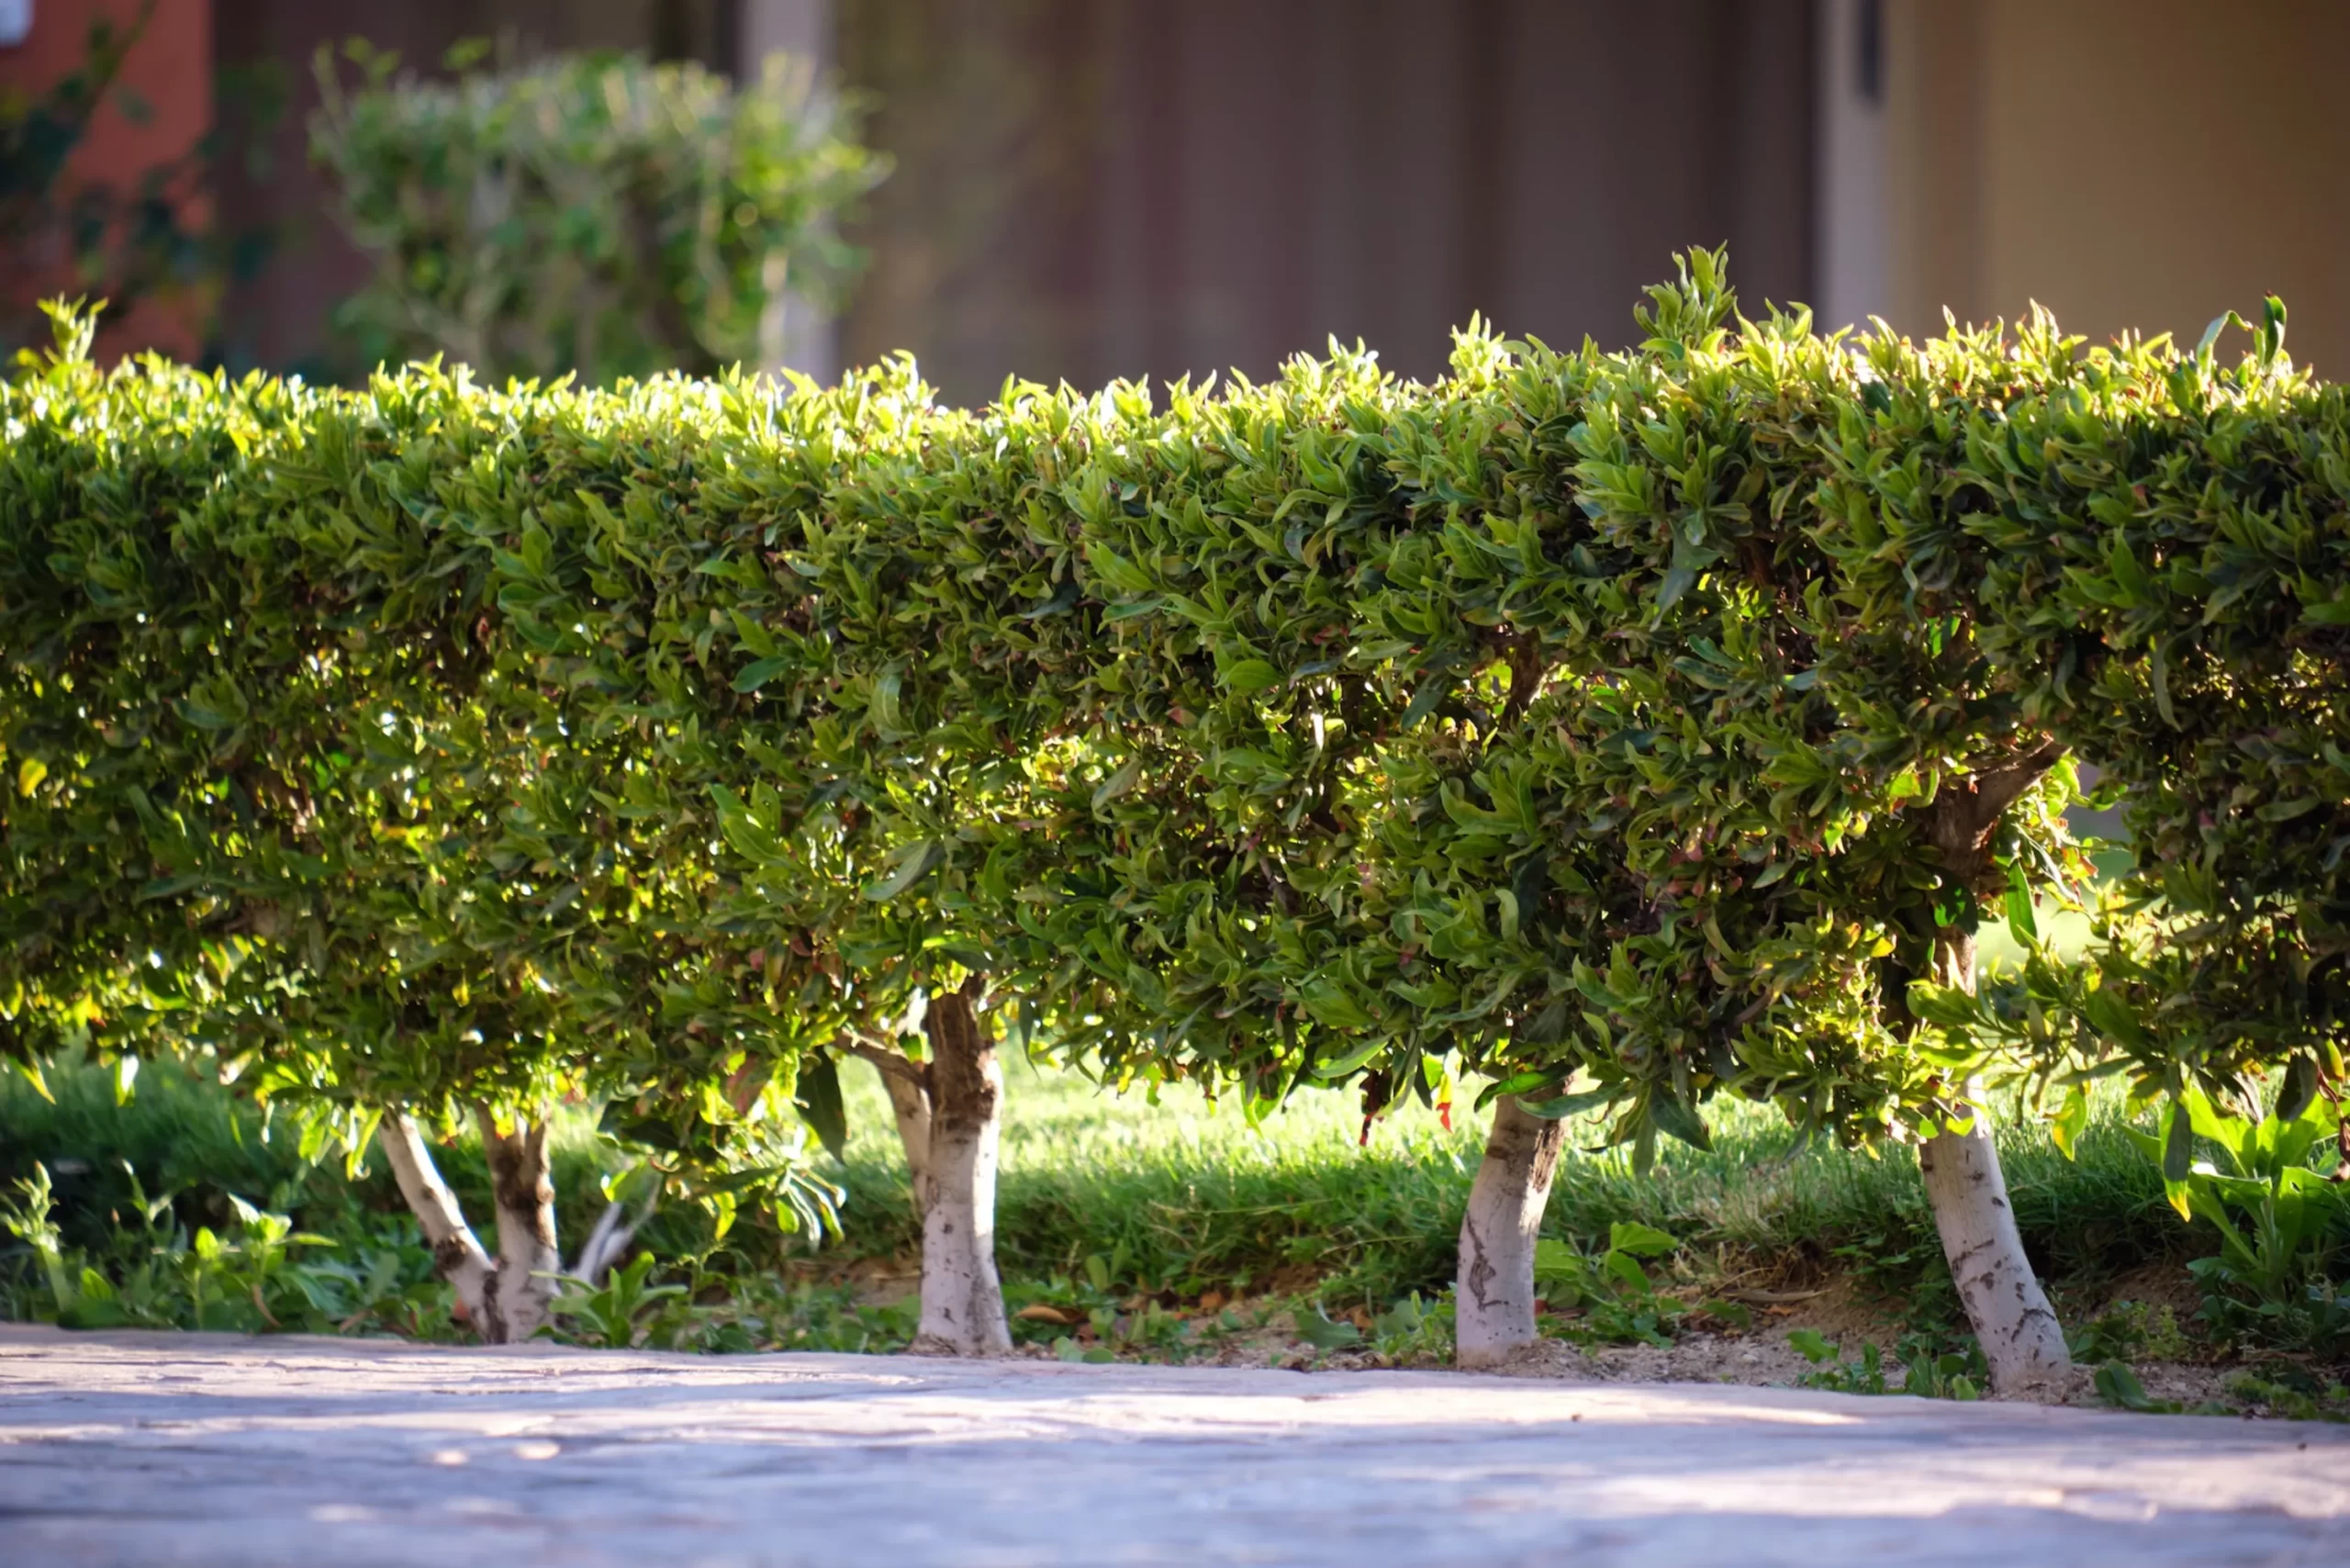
point(161, 1448)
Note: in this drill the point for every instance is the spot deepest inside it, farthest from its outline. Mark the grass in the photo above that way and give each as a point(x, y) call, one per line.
point(1184, 1199)
point(1130, 1201)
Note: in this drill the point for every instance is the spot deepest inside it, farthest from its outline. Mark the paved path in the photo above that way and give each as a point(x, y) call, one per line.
point(150, 1449)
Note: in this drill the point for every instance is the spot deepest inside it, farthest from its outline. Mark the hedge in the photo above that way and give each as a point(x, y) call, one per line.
point(1627, 728)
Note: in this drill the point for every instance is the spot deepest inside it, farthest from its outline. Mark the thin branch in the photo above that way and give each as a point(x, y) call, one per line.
point(894, 1063)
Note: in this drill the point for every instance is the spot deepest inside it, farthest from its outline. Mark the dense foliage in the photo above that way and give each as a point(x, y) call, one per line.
point(1634, 728)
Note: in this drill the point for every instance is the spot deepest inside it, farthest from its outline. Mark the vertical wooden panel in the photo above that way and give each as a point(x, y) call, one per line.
point(1934, 125)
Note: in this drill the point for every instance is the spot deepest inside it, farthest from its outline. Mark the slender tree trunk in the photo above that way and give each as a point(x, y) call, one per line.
point(962, 1301)
point(457, 1253)
point(528, 1262)
point(2023, 1342)
point(910, 1105)
point(1492, 1299)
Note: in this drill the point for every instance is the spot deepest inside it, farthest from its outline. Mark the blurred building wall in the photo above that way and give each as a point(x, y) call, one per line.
point(160, 111)
point(2140, 165)
point(1095, 188)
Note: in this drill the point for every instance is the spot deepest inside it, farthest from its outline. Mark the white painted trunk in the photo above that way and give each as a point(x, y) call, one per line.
point(910, 1104)
point(457, 1253)
point(2023, 1344)
point(1492, 1297)
point(528, 1262)
point(962, 1300)
point(607, 1245)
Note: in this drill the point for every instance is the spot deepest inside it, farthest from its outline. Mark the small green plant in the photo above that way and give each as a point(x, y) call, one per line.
point(1930, 1370)
point(2130, 1331)
point(167, 1277)
point(2277, 1218)
point(1865, 1375)
point(1414, 1332)
point(1609, 1298)
point(2120, 1387)
point(2292, 1391)
point(616, 1315)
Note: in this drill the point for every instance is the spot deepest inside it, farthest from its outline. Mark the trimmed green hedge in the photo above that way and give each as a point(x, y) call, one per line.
point(1631, 727)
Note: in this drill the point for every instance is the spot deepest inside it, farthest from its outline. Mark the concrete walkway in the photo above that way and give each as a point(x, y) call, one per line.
point(152, 1448)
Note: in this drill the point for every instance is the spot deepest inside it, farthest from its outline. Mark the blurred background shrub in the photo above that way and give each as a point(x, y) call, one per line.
point(595, 214)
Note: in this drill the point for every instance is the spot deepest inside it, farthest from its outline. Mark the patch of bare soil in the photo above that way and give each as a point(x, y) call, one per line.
point(876, 1281)
point(1263, 1332)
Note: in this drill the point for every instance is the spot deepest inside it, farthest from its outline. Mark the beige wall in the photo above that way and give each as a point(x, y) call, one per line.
point(2146, 164)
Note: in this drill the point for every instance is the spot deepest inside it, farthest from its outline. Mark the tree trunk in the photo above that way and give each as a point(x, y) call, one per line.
point(457, 1254)
point(2022, 1343)
point(962, 1301)
point(1493, 1298)
point(528, 1263)
point(910, 1104)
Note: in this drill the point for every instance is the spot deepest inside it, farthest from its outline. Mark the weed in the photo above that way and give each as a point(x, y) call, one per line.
point(1607, 1298)
point(620, 1313)
point(2130, 1331)
point(2292, 1391)
point(2277, 1219)
point(1930, 1367)
point(250, 1278)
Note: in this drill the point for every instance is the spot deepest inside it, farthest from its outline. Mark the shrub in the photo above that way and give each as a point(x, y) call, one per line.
point(598, 214)
point(1632, 728)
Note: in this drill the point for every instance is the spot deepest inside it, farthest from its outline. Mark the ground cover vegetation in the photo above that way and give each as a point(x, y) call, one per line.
point(1631, 734)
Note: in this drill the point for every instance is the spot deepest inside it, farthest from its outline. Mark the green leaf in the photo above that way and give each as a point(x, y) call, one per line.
point(1118, 783)
point(2118, 1385)
point(2071, 1120)
point(1641, 1241)
point(2162, 686)
point(1331, 1004)
point(32, 1074)
point(1433, 689)
point(1330, 1072)
point(2020, 920)
point(2298, 1092)
point(1674, 1118)
point(906, 867)
point(29, 773)
point(1317, 1330)
point(1567, 1105)
point(1248, 677)
point(887, 720)
point(1549, 1026)
point(759, 672)
point(2112, 1017)
point(2328, 612)
point(2178, 1144)
point(818, 1095)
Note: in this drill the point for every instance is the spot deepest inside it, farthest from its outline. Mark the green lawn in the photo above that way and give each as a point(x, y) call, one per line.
point(1185, 1197)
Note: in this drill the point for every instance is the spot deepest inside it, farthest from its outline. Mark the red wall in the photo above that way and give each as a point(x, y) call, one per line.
point(171, 68)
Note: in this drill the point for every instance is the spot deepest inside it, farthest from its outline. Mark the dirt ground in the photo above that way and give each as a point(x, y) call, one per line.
point(1841, 1309)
